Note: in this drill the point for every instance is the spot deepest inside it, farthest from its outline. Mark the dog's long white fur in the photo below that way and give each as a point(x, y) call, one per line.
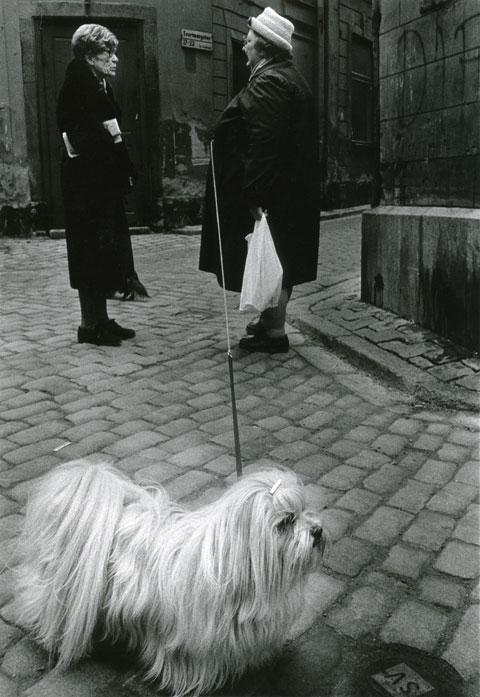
point(200, 595)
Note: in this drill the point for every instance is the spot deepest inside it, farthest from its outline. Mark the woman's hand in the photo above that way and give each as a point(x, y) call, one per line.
point(257, 213)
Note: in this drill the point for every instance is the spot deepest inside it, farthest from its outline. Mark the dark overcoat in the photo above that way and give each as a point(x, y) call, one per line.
point(93, 185)
point(265, 153)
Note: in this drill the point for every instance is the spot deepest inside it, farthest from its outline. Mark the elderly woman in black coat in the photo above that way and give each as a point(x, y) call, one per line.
point(96, 173)
point(265, 160)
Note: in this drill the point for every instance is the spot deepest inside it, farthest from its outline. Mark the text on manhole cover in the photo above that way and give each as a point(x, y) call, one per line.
point(402, 681)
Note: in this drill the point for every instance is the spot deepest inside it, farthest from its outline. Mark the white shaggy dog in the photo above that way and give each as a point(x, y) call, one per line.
point(200, 596)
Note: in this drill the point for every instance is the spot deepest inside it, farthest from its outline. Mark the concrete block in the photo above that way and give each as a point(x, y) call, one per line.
point(440, 591)
point(384, 525)
point(453, 498)
point(412, 497)
point(415, 624)
point(405, 561)
point(386, 479)
point(85, 680)
point(336, 523)
point(8, 636)
point(349, 556)
point(460, 560)
point(25, 660)
point(468, 474)
point(344, 448)
point(462, 653)
point(197, 456)
point(188, 484)
point(390, 444)
point(321, 591)
point(429, 531)
point(342, 477)
point(424, 263)
point(359, 500)
point(428, 441)
point(362, 613)
point(406, 427)
point(436, 472)
point(453, 453)
point(467, 528)
point(368, 459)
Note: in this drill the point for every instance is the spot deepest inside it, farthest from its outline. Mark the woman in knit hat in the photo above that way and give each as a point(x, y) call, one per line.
point(265, 155)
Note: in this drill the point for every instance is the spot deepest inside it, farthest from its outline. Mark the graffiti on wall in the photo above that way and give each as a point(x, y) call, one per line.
point(431, 148)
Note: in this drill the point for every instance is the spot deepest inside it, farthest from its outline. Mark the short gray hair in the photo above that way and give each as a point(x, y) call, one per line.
point(92, 39)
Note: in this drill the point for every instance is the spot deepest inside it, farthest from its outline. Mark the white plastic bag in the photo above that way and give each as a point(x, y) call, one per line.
point(262, 277)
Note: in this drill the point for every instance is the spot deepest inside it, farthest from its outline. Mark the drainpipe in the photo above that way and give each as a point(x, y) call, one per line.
point(376, 20)
point(323, 86)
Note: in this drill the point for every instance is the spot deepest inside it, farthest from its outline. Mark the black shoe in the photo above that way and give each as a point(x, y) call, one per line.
point(100, 336)
point(115, 329)
point(255, 327)
point(265, 344)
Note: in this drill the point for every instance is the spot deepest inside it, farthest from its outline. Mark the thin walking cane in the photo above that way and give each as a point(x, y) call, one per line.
point(238, 458)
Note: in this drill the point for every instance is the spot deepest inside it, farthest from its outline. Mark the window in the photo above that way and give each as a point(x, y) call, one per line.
point(361, 90)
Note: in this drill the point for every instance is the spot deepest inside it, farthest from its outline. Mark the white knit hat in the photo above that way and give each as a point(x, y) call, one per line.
point(273, 28)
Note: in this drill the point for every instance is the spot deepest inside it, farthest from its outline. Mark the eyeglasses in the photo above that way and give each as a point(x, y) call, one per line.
point(106, 55)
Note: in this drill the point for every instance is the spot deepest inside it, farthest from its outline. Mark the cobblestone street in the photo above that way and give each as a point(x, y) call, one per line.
point(396, 473)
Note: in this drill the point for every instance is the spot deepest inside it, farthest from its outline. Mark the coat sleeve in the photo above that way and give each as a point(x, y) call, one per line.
point(266, 105)
point(80, 118)
point(80, 114)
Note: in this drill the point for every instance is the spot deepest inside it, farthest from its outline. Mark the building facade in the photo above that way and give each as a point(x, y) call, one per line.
point(180, 61)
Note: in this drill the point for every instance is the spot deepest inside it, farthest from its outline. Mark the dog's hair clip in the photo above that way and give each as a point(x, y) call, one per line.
point(275, 486)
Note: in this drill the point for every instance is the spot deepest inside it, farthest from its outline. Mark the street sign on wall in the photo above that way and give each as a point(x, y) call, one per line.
point(200, 40)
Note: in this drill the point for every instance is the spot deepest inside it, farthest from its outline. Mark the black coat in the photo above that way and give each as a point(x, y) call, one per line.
point(265, 154)
point(93, 185)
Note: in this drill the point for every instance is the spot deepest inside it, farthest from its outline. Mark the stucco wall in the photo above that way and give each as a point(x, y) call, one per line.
point(178, 97)
point(14, 172)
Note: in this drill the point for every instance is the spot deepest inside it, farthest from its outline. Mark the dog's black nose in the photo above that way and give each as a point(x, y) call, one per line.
point(317, 534)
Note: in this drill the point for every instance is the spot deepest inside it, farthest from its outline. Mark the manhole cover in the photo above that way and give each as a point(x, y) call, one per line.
point(408, 672)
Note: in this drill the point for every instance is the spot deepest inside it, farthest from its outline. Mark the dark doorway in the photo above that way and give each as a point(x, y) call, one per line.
point(240, 72)
point(54, 54)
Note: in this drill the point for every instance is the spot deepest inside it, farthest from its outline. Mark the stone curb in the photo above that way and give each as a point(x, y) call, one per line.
point(59, 233)
point(325, 215)
point(371, 358)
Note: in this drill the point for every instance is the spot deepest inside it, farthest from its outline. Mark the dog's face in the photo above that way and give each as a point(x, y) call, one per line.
point(268, 540)
point(300, 528)
point(297, 533)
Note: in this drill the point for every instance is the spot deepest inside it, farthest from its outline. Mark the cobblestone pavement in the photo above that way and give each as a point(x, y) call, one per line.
point(396, 474)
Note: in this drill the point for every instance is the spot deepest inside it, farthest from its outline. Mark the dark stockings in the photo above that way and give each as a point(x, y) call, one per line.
point(93, 307)
point(273, 319)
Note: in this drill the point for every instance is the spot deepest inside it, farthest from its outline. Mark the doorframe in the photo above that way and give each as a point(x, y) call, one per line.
point(37, 138)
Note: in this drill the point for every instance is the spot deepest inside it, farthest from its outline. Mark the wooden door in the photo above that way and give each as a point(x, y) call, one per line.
point(54, 39)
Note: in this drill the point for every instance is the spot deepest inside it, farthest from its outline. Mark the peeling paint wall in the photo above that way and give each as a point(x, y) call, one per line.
point(349, 161)
point(14, 172)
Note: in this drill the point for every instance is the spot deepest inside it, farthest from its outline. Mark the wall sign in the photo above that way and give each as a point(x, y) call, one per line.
point(200, 40)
